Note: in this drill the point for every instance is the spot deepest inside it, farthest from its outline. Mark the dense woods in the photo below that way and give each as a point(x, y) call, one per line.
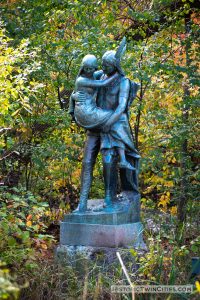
point(42, 44)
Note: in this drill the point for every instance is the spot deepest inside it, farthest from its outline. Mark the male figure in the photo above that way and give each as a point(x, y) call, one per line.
point(114, 97)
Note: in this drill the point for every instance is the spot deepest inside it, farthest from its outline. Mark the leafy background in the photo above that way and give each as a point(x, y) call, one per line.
point(41, 47)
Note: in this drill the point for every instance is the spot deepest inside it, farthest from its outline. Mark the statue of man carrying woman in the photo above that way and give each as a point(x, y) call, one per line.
point(100, 103)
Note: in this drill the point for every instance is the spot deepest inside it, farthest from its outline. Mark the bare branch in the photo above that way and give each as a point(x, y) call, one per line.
point(10, 154)
point(3, 130)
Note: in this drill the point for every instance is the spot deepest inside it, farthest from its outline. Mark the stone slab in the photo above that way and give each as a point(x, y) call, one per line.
point(124, 211)
point(98, 235)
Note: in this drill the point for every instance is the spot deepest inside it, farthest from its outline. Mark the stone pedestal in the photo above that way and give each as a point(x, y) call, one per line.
point(99, 227)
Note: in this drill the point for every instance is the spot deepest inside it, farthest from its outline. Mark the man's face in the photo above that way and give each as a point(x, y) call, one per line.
point(108, 68)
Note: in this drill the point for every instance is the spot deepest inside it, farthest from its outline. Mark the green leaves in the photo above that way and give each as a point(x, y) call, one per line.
point(21, 219)
point(16, 66)
point(8, 289)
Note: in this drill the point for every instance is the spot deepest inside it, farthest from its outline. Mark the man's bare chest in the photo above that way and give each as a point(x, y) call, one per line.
point(111, 96)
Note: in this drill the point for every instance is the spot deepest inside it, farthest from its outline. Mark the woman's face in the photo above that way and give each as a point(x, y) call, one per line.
point(89, 69)
point(89, 65)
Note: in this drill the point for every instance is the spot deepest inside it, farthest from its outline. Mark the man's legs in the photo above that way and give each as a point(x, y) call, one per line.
point(110, 176)
point(92, 146)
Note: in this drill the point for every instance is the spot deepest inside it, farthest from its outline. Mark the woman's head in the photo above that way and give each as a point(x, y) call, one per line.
point(89, 65)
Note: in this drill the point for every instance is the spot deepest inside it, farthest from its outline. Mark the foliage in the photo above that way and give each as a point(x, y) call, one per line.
point(17, 89)
point(61, 38)
point(41, 47)
point(167, 262)
point(8, 289)
point(23, 222)
point(80, 275)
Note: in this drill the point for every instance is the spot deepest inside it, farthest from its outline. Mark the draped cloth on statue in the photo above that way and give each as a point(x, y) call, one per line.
point(88, 115)
point(120, 136)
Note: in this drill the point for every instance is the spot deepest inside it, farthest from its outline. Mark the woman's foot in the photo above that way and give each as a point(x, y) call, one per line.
point(126, 165)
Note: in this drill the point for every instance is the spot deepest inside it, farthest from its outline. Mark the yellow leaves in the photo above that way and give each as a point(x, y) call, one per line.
point(15, 113)
point(197, 283)
point(28, 223)
point(111, 36)
point(28, 220)
point(26, 132)
point(162, 84)
point(169, 183)
point(171, 159)
point(68, 139)
point(174, 160)
point(77, 173)
point(40, 244)
point(149, 189)
point(47, 213)
point(44, 246)
point(157, 180)
point(25, 104)
point(164, 200)
point(143, 201)
point(57, 214)
point(142, 139)
point(14, 93)
point(173, 210)
point(59, 183)
point(54, 75)
point(167, 259)
point(4, 105)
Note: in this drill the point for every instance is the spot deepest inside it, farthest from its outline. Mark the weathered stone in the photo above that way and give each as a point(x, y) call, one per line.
point(98, 227)
point(125, 211)
point(99, 235)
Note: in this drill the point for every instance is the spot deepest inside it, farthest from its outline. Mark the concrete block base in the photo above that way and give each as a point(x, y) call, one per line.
point(98, 235)
point(99, 227)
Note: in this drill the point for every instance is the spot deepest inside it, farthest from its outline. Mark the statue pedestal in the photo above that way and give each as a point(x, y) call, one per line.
point(100, 227)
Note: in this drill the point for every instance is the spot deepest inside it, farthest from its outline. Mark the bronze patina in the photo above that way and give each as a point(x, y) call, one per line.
point(100, 104)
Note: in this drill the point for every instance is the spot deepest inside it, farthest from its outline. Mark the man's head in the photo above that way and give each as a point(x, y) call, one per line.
point(110, 64)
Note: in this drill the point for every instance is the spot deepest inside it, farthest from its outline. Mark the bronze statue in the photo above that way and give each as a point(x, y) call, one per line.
point(108, 126)
point(89, 116)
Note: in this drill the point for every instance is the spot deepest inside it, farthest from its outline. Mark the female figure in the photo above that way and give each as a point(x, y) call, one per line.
point(86, 112)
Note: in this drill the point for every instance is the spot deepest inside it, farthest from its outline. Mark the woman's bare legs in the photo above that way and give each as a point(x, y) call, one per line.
point(123, 162)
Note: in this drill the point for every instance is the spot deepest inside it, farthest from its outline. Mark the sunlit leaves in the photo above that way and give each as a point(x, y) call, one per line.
point(61, 33)
point(16, 67)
